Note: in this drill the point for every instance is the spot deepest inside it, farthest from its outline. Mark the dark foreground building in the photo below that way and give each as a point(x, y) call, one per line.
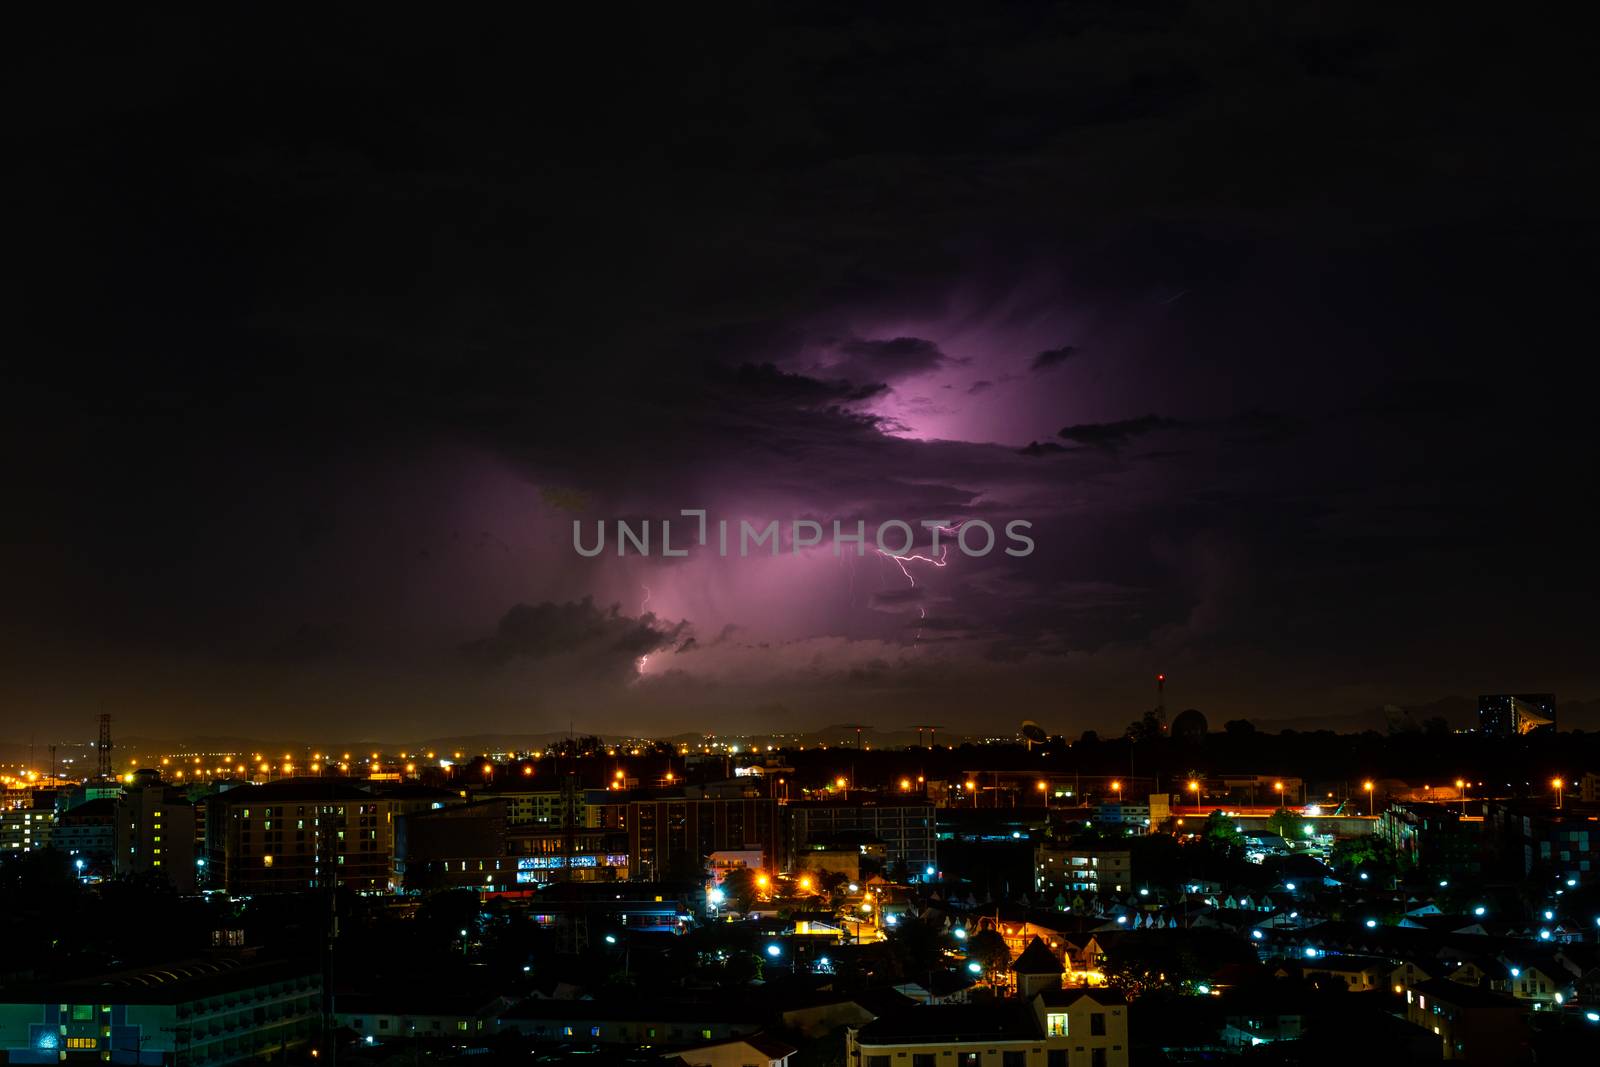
point(195, 1013)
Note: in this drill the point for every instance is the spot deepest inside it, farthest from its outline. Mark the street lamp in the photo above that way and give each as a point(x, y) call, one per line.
point(1116, 787)
point(1044, 787)
point(1557, 783)
point(1371, 803)
point(1461, 791)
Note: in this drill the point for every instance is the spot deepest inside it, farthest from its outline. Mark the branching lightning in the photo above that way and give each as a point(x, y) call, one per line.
point(903, 561)
point(644, 659)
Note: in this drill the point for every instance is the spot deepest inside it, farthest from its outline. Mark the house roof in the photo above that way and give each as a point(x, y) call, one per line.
point(953, 1023)
point(639, 1010)
point(770, 1047)
point(1037, 959)
point(165, 983)
point(1066, 997)
point(1462, 995)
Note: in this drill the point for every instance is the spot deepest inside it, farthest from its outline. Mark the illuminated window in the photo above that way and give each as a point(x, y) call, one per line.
point(1057, 1024)
point(83, 1042)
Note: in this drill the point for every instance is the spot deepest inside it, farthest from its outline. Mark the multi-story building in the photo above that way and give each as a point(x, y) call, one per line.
point(1094, 867)
point(543, 807)
point(27, 829)
point(1511, 715)
point(673, 836)
point(153, 832)
point(1433, 837)
point(1561, 844)
point(1472, 1023)
point(461, 845)
point(88, 832)
point(903, 826)
point(1137, 816)
point(285, 836)
point(548, 854)
point(194, 1013)
point(1076, 1027)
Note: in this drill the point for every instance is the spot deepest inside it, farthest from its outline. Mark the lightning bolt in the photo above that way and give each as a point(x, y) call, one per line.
point(903, 561)
point(644, 659)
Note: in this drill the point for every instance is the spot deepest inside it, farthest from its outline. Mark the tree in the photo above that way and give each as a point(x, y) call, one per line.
point(1370, 852)
point(988, 949)
point(1152, 727)
point(1286, 824)
point(915, 947)
point(741, 888)
point(1239, 727)
point(1221, 836)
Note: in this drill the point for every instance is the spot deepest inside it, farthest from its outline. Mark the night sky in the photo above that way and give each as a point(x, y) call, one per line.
point(1275, 320)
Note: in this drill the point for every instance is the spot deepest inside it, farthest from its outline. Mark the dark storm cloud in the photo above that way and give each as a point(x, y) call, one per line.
point(600, 642)
point(908, 599)
point(1053, 357)
point(982, 385)
point(1110, 434)
point(310, 272)
point(767, 382)
point(866, 361)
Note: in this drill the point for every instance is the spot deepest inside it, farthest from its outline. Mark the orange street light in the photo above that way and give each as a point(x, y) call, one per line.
point(905, 785)
point(1557, 783)
point(1371, 802)
point(840, 782)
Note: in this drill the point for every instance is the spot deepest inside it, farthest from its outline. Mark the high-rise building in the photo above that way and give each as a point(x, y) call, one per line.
point(902, 827)
point(153, 832)
point(673, 836)
point(1511, 715)
point(28, 828)
point(283, 837)
point(87, 832)
point(459, 845)
point(1531, 839)
point(1433, 837)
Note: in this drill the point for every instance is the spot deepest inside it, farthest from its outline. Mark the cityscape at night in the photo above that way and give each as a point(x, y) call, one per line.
point(1023, 534)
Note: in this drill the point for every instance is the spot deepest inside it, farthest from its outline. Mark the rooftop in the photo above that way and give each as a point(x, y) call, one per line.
point(953, 1024)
